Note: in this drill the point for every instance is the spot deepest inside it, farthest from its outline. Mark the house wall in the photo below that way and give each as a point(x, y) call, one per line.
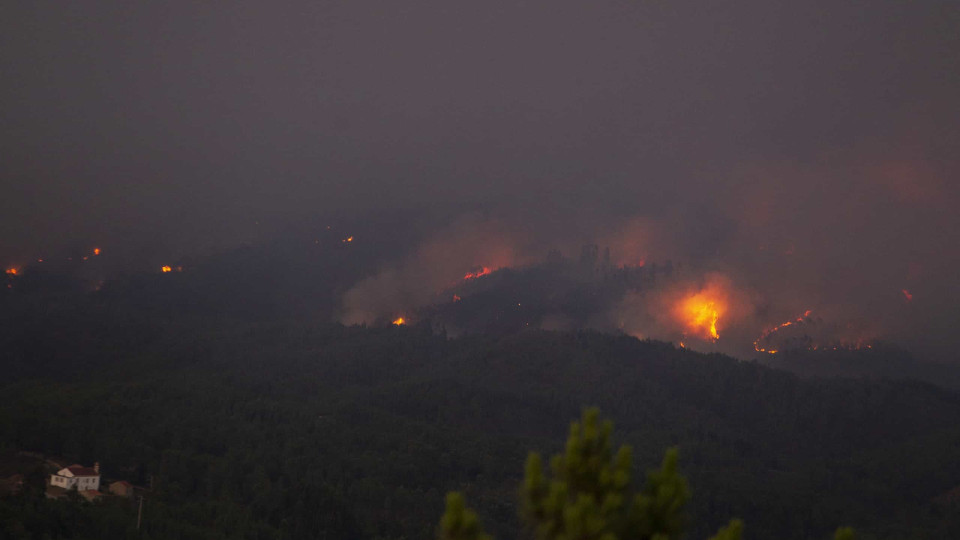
point(80, 482)
point(62, 481)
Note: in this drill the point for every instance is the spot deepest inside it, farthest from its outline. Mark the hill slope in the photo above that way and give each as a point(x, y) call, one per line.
point(298, 430)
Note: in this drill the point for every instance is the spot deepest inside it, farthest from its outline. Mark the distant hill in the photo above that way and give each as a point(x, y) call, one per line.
point(881, 362)
point(312, 430)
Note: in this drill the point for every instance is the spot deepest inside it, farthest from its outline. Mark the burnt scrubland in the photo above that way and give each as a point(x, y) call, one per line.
point(301, 429)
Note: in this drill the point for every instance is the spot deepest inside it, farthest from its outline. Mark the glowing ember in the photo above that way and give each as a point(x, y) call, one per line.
point(166, 269)
point(700, 313)
point(770, 331)
point(906, 295)
point(347, 240)
point(482, 271)
point(400, 321)
point(96, 251)
point(12, 271)
point(456, 298)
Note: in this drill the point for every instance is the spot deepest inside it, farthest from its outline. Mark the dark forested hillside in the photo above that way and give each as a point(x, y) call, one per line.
point(299, 430)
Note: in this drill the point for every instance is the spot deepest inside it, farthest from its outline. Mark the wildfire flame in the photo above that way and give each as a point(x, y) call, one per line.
point(96, 251)
point(12, 271)
point(482, 271)
point(456, 298)
point(770, 331)
point(700, 313)
point(907, 295)
point(166, 269)
point(399, 321)
point(807, 342)
point(347, 240)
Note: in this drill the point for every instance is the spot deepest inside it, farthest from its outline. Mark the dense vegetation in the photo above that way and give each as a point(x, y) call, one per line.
point(311, 430)
point(589, 493)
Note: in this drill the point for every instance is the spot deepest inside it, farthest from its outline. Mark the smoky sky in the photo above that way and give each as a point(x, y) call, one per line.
point(826, 130)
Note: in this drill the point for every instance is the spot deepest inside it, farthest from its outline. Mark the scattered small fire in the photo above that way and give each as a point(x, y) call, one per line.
point(399, 321)
point(456, 298)
point(814, 335)
point(166, 269)
point(482, 271)
point(96, 251)
point(770, 331)
point(907, 295)
point(347, 240)
point(12, 271)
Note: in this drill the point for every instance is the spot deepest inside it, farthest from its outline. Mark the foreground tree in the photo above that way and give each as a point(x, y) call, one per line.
point(588, 494)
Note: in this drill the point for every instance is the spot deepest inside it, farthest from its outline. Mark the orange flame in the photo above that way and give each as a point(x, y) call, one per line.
point(347, 240)
point(699, 313)
point(768, 332)
point(399, 321)
point(456, 298)
point(12, 271)
point(479, 273)
point(96, 251)
point(166, 269)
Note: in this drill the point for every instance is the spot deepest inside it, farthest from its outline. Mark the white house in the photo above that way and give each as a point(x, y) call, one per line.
point(77, 477)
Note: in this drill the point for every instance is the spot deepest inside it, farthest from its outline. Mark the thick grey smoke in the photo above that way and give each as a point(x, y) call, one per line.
point(804, 151)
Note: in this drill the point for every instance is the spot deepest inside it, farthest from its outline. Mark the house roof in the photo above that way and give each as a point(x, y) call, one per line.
point(123, 483)
point(80, 470)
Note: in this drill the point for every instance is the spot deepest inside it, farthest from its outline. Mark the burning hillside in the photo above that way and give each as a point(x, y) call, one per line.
point(810, 333)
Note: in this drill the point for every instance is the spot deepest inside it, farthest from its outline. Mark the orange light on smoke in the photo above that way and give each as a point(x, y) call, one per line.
point(481, 272)
point(399, 321)
point(699, 314)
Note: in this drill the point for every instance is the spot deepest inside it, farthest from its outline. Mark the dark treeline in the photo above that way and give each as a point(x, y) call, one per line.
point(302, 430)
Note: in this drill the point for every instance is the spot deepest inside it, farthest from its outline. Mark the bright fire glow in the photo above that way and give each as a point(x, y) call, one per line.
point(12, 271)
point(482, 271)
point(399, 321)
point(347, 240)
point(456, 298)
point(96, 251)
point(699, 314)
point(166, 269)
